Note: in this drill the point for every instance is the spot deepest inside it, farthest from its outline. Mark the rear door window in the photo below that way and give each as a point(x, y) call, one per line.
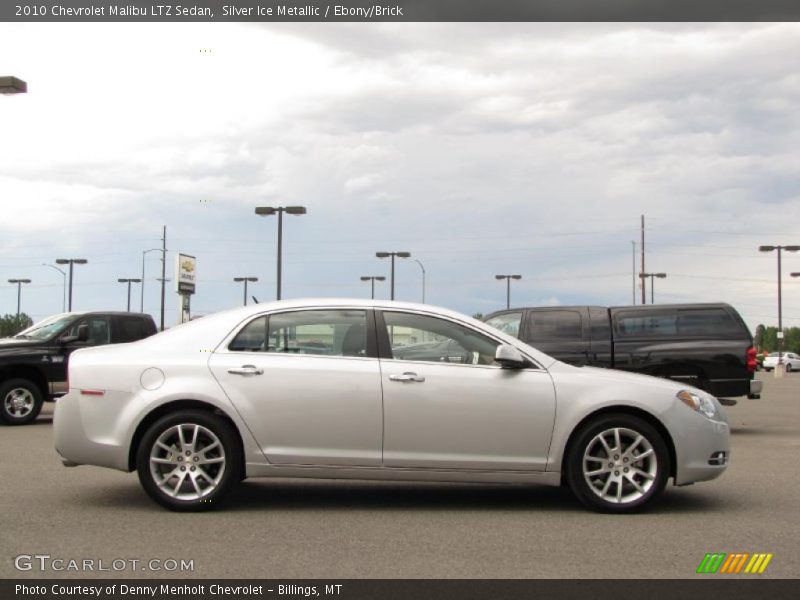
point(130, 329)
point(555, 325)
point(317, 332)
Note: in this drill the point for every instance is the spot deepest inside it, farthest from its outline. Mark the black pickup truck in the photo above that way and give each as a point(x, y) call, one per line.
point(33, 363)
point(706, 345)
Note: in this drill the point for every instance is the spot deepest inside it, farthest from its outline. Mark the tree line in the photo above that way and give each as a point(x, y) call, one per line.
point(12, 324)
point(766, 339)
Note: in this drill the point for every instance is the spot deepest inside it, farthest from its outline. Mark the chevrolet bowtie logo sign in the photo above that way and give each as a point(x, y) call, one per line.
point(735, 563)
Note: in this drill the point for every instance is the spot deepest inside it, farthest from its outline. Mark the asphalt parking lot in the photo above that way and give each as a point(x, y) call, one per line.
point(323, 529)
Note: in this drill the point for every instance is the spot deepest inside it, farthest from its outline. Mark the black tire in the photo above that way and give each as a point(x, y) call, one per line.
point(788, 367)
point(20, 401)
point(200, 491)
point(656, 464)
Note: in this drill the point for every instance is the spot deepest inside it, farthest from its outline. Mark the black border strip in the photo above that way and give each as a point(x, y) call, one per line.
point(730, 588)
point(399, 10)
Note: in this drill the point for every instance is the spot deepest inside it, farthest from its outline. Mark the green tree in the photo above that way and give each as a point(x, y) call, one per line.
point(766, 339)
point(12, 325)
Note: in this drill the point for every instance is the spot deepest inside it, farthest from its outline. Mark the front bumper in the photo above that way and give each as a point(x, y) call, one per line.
point(703, 452)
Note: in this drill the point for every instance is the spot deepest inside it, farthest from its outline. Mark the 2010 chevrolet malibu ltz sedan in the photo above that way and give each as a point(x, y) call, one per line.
point(376, 390)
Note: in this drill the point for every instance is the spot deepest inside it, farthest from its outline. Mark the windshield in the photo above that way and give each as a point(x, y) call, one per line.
point(507, 323)
point(47, 328)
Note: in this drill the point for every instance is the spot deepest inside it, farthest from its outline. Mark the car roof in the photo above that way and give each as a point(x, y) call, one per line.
point(201, 332)
point(83, 313)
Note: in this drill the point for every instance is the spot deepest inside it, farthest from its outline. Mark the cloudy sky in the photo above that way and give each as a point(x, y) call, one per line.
point(480, 148)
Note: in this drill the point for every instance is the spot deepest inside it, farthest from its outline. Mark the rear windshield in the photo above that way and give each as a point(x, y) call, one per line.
point(684, 322)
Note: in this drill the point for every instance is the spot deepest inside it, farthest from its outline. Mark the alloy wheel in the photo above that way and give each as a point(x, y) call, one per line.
point(187, 461)
point(620, 465)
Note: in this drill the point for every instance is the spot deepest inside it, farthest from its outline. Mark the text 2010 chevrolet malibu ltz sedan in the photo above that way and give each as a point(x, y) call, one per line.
point(376, 390)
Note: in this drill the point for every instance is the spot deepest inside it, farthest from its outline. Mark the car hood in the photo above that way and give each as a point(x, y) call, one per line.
point(7, 344)
point(623, 377)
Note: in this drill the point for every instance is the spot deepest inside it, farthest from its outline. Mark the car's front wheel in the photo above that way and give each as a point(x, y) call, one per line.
point(20, 401)
point(189, 460)
point(617, 463)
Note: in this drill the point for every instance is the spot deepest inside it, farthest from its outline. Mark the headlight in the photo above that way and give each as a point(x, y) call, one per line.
point(701, 404)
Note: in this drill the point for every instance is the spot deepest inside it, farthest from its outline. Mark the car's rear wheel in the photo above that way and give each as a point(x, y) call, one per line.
point(189, 460)
point(617, 463)
point(788, 367)
point(20, 401)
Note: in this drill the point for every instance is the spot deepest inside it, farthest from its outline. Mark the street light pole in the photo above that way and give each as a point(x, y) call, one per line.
point(373, 279)
point(421, 266)
point(652, 277)
point(63, 286)
point(780, 299)
point(245, 280)
point(19, 283)
point(266, 211)
point(129, 281)
point(71, 262)
point(508, 279)
point(393, 255)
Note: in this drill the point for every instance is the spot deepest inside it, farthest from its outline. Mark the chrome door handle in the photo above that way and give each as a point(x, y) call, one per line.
point(246, 370)
point(407, 377)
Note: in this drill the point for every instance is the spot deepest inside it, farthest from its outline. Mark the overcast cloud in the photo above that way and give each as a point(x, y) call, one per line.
point(480, 148)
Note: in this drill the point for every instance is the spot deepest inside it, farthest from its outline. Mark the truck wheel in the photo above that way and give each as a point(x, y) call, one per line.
point(20, 401)
point(617, 463)
point(189, 460)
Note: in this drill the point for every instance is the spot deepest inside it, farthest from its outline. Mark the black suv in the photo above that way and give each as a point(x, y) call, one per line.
point(33, 363)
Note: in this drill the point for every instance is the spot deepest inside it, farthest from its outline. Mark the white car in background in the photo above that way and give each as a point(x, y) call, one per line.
point(324, 389)
point(790, 360)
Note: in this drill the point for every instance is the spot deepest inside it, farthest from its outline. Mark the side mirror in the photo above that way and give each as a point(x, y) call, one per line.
point(83, 332)
point(510, 358)
point(83, 335)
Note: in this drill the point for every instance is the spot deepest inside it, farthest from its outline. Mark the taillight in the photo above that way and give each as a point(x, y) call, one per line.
point(751, 359)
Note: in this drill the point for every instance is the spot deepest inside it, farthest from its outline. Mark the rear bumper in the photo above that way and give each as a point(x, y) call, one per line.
point(731, 388)
point(78, 442)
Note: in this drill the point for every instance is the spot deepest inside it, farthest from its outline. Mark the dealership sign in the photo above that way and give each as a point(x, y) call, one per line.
point(185, 273)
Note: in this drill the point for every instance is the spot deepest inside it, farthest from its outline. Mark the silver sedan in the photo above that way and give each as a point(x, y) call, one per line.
point(376, 390)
